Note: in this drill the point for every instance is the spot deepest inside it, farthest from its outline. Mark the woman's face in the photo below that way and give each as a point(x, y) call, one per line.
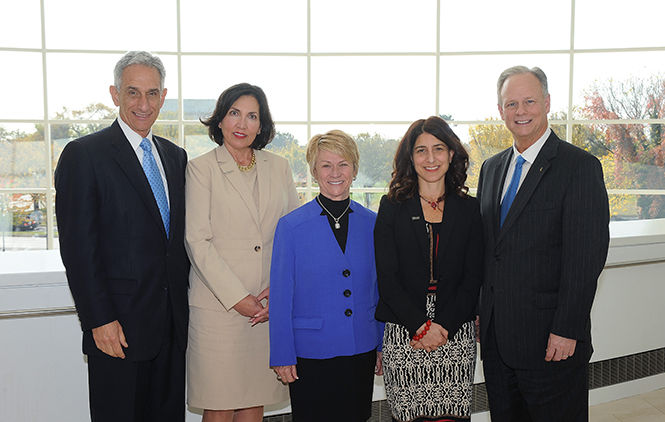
point(334, 174)
point(431, 158)
point(241, 123)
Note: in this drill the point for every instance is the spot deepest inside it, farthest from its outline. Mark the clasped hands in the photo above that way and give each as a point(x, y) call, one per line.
point(251, 307)
point(436, 336)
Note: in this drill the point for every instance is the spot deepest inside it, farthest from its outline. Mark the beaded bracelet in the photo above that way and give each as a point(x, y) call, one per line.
point(425, 330)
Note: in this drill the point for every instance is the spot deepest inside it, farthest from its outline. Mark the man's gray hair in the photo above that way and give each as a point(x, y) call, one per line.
point(518, 70)
point(138, 57)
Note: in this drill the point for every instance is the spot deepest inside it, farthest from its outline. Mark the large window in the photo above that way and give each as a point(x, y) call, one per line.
point(367, 67)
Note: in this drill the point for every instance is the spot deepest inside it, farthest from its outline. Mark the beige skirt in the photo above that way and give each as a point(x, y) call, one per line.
point(228, 362)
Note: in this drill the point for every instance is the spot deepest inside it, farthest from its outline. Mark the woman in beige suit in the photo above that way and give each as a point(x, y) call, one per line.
point(235, 195)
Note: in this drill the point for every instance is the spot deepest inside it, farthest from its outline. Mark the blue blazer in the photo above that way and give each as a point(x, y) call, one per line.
point(322, 301)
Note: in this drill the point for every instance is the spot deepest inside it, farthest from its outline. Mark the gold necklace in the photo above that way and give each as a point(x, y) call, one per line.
point(249, 166)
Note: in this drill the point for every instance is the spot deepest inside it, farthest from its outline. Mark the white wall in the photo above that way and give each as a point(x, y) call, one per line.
point(44, 377)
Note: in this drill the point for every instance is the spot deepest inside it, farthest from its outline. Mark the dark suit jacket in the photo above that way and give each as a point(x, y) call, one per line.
point(542, 266)
point(119, 263)
point(402, 261)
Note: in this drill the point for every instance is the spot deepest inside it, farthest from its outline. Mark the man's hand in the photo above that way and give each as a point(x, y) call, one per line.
point(248, 306)
point(110, 339)
point(286, 374)
point(559, 348)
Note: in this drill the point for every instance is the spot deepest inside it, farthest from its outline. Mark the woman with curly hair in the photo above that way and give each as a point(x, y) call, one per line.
point(429, 250)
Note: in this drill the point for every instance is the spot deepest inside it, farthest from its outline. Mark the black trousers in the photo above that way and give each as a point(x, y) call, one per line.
point(335, 389)
point(143, 391)
point(558, 391)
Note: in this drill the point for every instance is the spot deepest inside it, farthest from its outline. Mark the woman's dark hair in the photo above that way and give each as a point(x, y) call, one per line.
point(404, 183)
point(224, 103)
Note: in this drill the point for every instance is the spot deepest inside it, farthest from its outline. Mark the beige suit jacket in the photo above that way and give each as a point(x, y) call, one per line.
point(229, 240)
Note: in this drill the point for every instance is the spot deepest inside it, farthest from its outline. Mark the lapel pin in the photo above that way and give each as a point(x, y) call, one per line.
point(415, 217)
point(541, 169)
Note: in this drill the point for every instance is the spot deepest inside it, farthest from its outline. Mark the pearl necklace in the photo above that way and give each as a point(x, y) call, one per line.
point(249, 166)
point(336, 219)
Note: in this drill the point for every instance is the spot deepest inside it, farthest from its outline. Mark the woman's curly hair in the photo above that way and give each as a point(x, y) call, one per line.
point(404, 183)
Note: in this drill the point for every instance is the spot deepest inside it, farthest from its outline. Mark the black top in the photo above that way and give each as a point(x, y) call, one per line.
point(336, 208)
point(433, 231)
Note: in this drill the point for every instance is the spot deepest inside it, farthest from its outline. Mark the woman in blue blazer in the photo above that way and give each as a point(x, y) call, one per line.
point(324, 340)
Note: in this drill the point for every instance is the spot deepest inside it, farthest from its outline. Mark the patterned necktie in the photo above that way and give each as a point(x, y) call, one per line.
point(512, 188)
point(155, 179)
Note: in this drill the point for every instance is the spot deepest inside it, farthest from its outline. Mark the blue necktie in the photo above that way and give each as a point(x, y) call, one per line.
point(155, 179)
point(512, 188)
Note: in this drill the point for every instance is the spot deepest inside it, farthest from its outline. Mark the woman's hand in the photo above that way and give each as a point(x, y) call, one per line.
point(435, 337)
point(262, 315)
point(378, 368)
point(248, 306)
point(286, 374)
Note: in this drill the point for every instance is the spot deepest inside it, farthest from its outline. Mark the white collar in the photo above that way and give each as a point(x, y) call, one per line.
point(531, 153)
point(133, 137)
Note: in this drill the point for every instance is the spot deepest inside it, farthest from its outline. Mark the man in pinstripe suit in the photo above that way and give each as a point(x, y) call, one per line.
point(545, 221)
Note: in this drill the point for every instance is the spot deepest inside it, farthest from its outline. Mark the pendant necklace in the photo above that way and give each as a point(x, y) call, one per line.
point(335, 219)
point(433, 204)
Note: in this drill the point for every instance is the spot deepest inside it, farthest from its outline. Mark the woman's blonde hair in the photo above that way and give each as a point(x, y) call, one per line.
point(335, 141)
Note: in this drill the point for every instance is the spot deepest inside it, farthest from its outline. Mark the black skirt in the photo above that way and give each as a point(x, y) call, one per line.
point(335, 389)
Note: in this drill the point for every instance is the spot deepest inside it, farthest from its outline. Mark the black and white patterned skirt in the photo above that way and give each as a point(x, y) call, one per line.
point(429, 384)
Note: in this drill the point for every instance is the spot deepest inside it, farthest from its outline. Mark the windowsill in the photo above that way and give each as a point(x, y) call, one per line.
point(639, 241)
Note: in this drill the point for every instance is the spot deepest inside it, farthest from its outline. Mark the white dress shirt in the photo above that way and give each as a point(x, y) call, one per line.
point(529, 156)
point(135, 141)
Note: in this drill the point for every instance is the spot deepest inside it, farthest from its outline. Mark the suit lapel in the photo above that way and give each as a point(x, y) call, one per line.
point(418, 225)
point(531, 181)
point(450, 214)
point(230, 170)
point(263, 173)
point(355, 236)
point(499, 180)
point(127, 160)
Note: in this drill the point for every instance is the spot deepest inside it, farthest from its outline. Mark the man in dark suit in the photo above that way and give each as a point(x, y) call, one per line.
point(545, 219)
point(120, 211)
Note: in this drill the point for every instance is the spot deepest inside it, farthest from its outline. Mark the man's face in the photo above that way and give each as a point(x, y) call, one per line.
point(139, 97)
point(524, 109)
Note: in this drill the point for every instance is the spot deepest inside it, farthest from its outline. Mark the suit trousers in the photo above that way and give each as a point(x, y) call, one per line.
point(143, 391)
point(558, 391)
